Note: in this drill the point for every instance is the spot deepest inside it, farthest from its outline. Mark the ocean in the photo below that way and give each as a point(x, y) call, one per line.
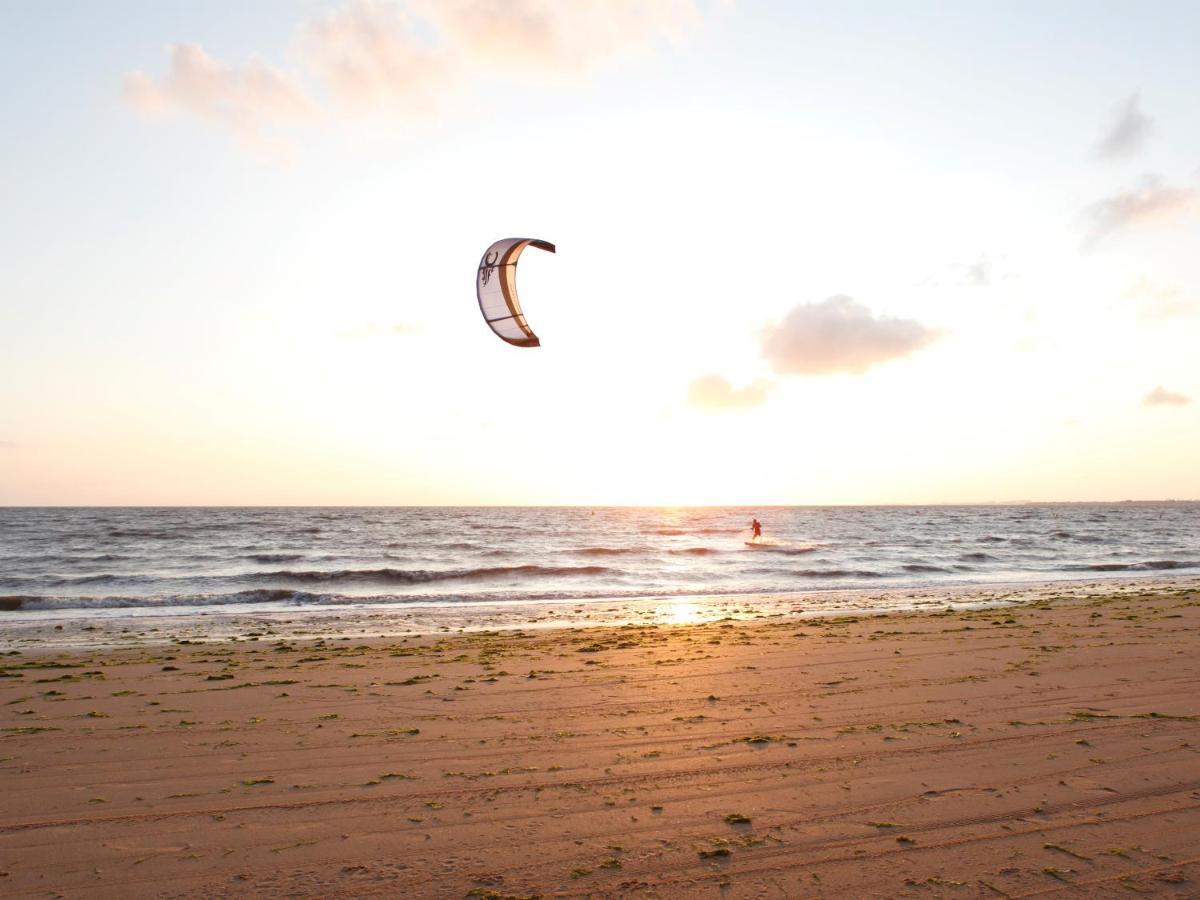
point(184, 561)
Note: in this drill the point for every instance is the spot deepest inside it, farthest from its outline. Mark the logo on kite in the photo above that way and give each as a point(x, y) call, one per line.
point(496, 288)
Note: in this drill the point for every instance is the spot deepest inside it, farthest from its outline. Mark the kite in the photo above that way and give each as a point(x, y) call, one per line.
point(496, 288)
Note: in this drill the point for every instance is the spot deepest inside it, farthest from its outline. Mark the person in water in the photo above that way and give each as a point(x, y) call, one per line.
point(756, 527)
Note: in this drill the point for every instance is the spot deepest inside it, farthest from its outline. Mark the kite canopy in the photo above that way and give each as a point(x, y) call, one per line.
point(496, 287)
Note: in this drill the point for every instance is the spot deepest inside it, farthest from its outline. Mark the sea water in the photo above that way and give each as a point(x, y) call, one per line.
point(192, 560)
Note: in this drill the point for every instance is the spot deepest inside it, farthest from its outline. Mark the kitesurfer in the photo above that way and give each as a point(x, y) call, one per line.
point(756, 527)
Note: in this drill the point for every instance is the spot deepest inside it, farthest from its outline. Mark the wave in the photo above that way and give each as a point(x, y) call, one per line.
point(608, 551)
point(454, 545)
point(695, 551)
point(319, 576)
point(919, 567)
point(1153, 565)
point(798, 550)
point(275, 557)
point(977, 557)
point(277, 596)
point(1081, 538)
point(287, 597)
point(102, 578)
point(73, 559)
point(154, 534)
point(424, 576)
point(168, 531)
point(708, 530)
point(838, 573)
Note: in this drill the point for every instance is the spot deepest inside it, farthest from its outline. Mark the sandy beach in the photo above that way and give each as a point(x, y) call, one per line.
point(1050, 748)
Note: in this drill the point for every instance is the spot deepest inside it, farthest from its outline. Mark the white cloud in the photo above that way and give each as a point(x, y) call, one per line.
point(406, 57)
point(1160, 396)
point(1153, 202)
point(1128, 133)
point(839, 335)
point(715, 392)
point(239, 99)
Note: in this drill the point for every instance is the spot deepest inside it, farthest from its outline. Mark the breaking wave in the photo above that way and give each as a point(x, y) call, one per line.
point(424, 576)
point(838, 573)
point(1152, 565)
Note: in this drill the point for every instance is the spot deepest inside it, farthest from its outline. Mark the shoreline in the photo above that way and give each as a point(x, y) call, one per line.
point(144, 626)
point(1045, 747)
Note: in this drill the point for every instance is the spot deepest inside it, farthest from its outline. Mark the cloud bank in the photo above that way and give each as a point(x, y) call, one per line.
point(406, 57)
point(715, 392)
point(839, 335)
point(1128, 133)
point(1153, 202)
point(1160, 396)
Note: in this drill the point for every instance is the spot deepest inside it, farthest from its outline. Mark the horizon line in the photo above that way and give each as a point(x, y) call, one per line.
point(1162, 501)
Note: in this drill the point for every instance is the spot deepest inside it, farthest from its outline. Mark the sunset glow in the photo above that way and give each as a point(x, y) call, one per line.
point(798, 261)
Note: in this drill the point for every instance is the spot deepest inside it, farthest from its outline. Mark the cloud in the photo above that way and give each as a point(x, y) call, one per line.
point(8, 445)
point(1128, 133)
point(1153, 202)
point(371, 54)
point(552, 37)
point(984, 271)
point(1156, 302)
point(715, 392)
point(1160, 396)
point(839, 335)
point(239, 99)
point(406, 57)
point(979, 273)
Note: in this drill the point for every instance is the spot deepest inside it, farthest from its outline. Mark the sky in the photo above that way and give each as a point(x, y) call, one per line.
point(808, 253)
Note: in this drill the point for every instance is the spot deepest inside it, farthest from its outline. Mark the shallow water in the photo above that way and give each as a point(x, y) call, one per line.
point(191, 559)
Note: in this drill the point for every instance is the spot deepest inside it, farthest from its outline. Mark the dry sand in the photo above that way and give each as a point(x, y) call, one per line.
point(1046, 749)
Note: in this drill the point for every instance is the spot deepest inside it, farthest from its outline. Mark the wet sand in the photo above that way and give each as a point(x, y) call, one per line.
point(1048, 748)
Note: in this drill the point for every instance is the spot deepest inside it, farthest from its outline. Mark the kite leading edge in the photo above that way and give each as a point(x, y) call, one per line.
point(496, 288)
